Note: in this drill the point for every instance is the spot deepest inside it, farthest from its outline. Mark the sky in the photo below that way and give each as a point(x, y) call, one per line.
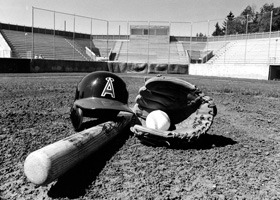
point(178, 14)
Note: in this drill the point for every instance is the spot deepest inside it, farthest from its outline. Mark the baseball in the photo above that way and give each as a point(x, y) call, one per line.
point(158, 120)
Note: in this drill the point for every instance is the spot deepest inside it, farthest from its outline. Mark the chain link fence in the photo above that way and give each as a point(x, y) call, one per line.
point(58, 35)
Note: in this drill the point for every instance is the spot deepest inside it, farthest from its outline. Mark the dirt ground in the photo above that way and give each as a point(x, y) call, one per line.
point(239, 157)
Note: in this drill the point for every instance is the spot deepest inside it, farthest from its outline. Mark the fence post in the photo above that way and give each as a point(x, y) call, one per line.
point(191, 44)
point(32, 54)
point(128, 40)
point(225, 43)
point(148, 41)
point(169, 43)
point(246, 40)
point(90, 38)
point(54, 35)
point(74, 38)
point(107, 41)
point(270, 25)
point(207, 41)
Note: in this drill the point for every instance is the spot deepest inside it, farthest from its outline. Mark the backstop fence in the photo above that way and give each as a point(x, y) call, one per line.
point(193, 42)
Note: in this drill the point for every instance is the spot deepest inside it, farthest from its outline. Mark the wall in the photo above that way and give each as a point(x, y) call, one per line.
point(42, 65)
point(5, 50)
point(250, 71)
point(148, 68)
point(10, 65)
point(274, 72)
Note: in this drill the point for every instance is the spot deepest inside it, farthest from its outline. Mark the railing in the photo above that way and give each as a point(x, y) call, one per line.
point(101, 36)
point(259, 51)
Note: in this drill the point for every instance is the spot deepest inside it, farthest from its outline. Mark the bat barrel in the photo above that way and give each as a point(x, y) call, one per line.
point(48, 163)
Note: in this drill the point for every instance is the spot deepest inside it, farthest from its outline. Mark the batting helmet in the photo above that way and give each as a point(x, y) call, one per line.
point(99, 95)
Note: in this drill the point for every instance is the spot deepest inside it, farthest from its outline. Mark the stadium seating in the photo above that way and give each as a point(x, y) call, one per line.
point(251, 51)
point(45, 45)
point(231, 50)
point(151, 51)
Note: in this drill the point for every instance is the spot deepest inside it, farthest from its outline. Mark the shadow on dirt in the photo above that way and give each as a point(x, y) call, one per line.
point(75, 182)
point(205, 141)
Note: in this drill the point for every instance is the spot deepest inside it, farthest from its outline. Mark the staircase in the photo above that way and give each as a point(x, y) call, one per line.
point(117, 49)
point(182, 53)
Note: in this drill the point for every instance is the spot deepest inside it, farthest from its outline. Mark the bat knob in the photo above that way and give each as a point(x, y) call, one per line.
point(76, 116)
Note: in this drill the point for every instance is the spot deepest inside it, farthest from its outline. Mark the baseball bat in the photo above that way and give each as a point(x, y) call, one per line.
point(48, 163)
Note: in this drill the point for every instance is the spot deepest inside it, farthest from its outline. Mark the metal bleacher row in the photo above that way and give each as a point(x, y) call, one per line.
point(252, 51)
point(59, 47)
point(142, 50)
point(48, 46)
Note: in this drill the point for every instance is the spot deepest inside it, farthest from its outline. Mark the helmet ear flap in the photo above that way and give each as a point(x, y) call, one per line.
point(76, 116)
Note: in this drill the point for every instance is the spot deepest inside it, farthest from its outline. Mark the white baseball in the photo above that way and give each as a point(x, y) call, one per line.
point(158, 120)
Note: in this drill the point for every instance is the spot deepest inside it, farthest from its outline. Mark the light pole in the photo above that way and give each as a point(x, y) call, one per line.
point(246, 39)
point(276, 49)
point(25, 35)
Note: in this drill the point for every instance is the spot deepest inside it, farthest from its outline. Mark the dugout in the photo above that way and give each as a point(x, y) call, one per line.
point(274, 72)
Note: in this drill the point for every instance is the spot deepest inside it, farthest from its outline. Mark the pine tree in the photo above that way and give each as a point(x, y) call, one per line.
point(251, 21)
point(229, 24)
point(218, 31)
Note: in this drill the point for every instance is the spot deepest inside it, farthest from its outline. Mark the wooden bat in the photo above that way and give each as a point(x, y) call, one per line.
point(48, 163)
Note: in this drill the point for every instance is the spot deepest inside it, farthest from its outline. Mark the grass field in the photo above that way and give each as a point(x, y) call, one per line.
point(239, 158)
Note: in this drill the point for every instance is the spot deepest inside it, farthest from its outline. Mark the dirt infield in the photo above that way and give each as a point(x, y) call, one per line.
point(239, 158)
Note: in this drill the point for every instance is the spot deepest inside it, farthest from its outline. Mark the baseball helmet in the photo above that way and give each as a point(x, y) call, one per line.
point(99, 94)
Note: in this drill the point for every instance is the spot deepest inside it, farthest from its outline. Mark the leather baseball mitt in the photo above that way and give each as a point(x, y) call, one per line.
point(191, 112)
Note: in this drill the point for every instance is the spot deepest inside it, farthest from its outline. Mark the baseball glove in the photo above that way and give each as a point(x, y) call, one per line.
point(191, 112)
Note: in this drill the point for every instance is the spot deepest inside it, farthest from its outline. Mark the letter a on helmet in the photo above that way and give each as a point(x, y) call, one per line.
point(109, 88)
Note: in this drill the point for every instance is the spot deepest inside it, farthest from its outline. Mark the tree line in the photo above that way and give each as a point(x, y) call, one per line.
point(250, 21)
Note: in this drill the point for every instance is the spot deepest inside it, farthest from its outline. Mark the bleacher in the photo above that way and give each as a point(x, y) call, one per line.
point(150, 51)
point(45, 45)
point(251, 51)
point(153, 49)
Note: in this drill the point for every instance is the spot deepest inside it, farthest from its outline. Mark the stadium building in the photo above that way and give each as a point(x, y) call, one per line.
point(145, 49)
